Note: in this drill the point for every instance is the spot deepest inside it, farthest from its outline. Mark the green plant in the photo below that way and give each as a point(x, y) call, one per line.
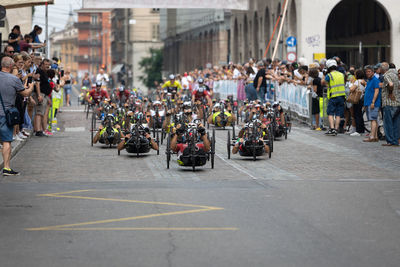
point(151, 67)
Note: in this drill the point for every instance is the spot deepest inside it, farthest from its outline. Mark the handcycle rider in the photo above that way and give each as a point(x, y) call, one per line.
point(180, 145)
point(173, 87)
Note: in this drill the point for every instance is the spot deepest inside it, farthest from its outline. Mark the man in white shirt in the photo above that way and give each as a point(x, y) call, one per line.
point(102, 77)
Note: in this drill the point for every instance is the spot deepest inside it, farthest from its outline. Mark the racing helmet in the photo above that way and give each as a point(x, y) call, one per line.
point(98, 84)
point(200, 81)
point(187, 105)
point(156, 103)
point(171, 77)
point(139, 115)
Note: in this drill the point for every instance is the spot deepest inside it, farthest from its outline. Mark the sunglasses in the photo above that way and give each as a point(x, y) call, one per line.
point(12, 52)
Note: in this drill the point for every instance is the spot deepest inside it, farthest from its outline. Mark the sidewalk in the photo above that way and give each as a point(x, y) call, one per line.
point(16, 146)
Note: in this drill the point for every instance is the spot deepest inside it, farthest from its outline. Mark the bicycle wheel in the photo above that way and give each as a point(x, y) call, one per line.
point(228, 145)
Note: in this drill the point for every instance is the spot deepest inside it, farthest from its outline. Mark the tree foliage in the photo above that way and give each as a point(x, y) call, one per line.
point(151, 67)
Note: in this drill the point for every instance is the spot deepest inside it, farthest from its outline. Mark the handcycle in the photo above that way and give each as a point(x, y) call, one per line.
point(137, 143)
point(194, 156)
point(255, 139)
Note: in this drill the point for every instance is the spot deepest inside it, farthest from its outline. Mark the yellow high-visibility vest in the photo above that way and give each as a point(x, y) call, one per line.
point(336, 84)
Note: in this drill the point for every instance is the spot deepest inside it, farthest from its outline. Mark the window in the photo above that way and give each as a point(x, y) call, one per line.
point(94, 19)
point(155, 32)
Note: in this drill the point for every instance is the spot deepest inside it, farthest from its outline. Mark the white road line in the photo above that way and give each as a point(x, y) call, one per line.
point(236, 167)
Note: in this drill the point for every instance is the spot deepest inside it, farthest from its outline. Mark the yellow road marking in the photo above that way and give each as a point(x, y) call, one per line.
point(119, 220)
point(72, 227)
point(129, 201)
point(148, 229)
point(63, 193)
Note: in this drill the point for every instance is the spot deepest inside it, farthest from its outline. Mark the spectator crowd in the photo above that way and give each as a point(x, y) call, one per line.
point(30, 85)
point(357, 97)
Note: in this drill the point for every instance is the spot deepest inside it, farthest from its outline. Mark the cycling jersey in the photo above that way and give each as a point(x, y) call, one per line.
point(97, 96)
point(172, 87)
point(199, 95)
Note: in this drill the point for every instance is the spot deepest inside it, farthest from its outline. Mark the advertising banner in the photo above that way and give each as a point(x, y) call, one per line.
point(294, 96)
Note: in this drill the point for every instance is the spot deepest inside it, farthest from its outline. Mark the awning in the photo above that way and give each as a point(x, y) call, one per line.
point(24, 3)
point(117, 68)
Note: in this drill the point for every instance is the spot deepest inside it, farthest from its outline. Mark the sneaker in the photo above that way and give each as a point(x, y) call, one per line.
point(21, 135)
point(17, 138)
point(9, 172)
point(331, 132)
point(48, 133)
point(355, 134)
point(351, 131)
point(318, 129)
point(40, 133)
point(27, 134)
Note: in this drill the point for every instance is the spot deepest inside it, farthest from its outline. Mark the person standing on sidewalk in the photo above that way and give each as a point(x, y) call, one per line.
point(9, 87)
point(372, 102)
point(391, 105)
point(260, 81)
point(334, 80)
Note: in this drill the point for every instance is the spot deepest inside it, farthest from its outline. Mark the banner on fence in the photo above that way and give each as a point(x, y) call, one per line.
point(294, 97)
point(225, 87)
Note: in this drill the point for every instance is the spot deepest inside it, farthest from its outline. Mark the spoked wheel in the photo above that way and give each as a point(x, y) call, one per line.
point(92, 129)
point(228, 145)
point(269, 151)
point(204, 115)
point(193, 163)
point(168, 150)
point(163, 134)
point(158, 144)
point(271, 139)
point(212, 149)
point(87, 110)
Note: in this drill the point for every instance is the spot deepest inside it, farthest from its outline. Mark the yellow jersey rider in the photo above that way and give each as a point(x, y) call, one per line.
point(219, 119)
point(172, 87)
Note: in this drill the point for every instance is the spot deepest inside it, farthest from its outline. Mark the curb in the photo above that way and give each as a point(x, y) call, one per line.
point(15, 150)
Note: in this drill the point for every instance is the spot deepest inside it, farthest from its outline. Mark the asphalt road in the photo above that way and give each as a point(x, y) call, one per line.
point(319, 201)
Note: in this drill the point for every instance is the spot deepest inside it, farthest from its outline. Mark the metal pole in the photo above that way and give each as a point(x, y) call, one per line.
point(280, 30)
point(47, 31)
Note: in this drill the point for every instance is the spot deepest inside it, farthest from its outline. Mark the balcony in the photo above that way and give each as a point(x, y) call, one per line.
point(89, 43)
point(87, 26)
point(93, 59)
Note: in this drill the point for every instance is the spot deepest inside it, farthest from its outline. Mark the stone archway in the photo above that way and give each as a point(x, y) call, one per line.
point(354, 21)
